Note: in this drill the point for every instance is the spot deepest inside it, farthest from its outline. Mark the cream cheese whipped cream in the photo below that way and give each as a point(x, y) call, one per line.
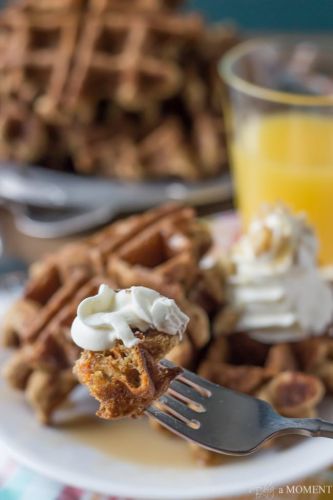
point(276, 285)
point(112, 315)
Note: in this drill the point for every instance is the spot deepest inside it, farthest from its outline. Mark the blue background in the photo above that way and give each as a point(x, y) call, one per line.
point(280, 15)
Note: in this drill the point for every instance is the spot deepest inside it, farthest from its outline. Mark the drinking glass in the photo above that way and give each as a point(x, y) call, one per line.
point(279, 113)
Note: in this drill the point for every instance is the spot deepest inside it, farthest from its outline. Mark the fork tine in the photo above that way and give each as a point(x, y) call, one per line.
point(191, 377)
point(165, 419)
point(188, 392)
point(167, 363)
point(188, 376)
point(180, 408)
point(172, 423)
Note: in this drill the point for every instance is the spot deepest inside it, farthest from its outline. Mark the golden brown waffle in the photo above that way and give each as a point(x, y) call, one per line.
point(243, 364)
point(112, 153)
point(23, 135)
point(69, 57)
point(39, 54)
point(156, 245)
point(293, 394)
point(141, 5)
point(42, 366)
point(116, 58)
point(129, 86)
point(167, 151)
point(189, 145)
point(315, 356)
point(126, 381)
point(160, 249)
point(56, 5)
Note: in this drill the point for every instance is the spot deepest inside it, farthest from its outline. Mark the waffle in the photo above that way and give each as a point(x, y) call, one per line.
point(116, 58)
point(69, 58)
point(23, 136)
point(127, 380)
point(315, 356)
point(109, 154)
point(160, 249)
point(39, 54)
point(42, 366)
point(208, 143)
point(56, 5)
point(116, 158)
point(166, 151)
point(294, 394)
point(141, 5)
point(243, 364)
point(125, 88)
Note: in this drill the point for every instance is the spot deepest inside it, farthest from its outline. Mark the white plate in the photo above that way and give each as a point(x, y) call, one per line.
point(61, 456)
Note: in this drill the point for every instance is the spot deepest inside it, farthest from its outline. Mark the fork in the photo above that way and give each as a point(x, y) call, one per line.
point(223, 420)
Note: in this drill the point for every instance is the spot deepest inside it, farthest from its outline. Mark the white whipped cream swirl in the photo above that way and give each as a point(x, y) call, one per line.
point(112, 315)
point(276, 284)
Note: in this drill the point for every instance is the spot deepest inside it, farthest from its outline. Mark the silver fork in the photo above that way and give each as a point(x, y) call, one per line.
point(223, 420)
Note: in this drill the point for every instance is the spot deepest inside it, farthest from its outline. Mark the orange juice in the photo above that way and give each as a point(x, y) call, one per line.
point(288, 157)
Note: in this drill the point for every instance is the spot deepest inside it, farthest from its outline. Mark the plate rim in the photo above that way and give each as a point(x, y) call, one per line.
point(66, 477)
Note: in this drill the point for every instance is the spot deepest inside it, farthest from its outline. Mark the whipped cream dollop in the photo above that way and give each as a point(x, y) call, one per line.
point(113, 315)
point(276, 285)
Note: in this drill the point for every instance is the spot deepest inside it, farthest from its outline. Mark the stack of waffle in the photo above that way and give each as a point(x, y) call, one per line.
point(161, 249)
point(112, 87)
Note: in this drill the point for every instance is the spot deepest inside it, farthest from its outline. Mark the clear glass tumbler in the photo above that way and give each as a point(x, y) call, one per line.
point(279, 109)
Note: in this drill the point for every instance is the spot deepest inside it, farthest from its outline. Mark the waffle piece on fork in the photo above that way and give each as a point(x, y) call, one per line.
point(127, 380)
point(125, 334)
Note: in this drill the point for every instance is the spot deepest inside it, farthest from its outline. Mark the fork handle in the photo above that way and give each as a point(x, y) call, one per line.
point(310, 427)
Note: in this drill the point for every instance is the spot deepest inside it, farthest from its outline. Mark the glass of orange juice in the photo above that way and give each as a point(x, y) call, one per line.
point(280, 121)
